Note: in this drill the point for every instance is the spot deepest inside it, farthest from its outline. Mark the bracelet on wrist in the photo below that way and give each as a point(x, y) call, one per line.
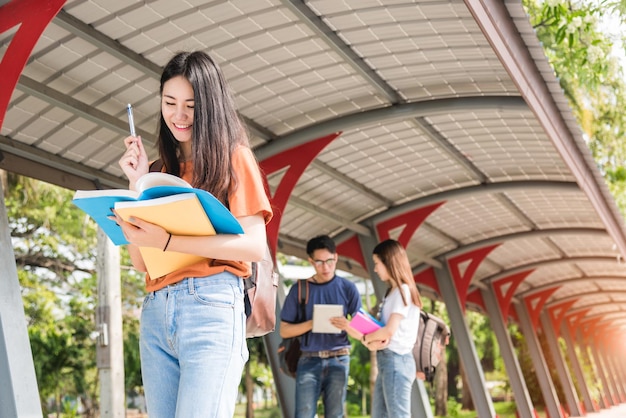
point(168, 242)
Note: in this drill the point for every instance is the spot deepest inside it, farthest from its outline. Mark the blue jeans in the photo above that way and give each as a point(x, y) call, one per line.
point(193, 347)
point(316, 376)
point(392, 391)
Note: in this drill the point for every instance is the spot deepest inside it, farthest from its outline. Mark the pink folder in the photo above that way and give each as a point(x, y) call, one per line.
point(364, 323)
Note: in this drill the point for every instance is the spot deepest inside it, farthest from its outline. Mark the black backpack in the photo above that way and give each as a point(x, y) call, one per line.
point(289, 349)
point(432, 337)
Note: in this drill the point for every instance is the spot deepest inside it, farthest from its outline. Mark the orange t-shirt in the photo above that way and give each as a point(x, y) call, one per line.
point(249, 199)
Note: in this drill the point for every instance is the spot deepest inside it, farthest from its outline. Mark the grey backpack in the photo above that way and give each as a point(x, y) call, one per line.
point(260, 297)
point(432, 337)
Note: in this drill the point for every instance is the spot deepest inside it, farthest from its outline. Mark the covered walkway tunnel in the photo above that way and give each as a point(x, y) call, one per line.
point(437, 123)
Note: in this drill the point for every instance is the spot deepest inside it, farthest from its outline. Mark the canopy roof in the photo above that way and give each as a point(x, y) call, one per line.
point(438, 123)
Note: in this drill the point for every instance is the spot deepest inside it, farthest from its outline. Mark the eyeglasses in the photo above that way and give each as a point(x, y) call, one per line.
point(320, 263)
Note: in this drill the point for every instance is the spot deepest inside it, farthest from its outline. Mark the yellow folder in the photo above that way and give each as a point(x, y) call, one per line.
point(180, 214)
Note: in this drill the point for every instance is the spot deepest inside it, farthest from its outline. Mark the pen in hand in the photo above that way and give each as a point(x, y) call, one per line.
point(131, 120)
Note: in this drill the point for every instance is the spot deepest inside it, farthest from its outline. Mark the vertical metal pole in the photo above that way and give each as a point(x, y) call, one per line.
point(604, 400)
point(19, 395)
point(610, 357)
point(285, 385)
point(576, 367)
point(622, 378)
point(606, 397)
point(110, 347)
point(566, 379)
point(523, 402)
point(541, 368)
point(608, 369)
point(467, 350)
point(367, 246)
point(420, 403)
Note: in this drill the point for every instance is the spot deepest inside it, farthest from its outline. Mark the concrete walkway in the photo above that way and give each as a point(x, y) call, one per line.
point(618, 411)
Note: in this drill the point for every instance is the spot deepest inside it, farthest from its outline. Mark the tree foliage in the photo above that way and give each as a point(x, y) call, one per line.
point(54, 245)
point(582, 52)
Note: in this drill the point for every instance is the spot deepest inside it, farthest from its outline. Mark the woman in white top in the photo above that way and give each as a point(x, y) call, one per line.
point(394, 342)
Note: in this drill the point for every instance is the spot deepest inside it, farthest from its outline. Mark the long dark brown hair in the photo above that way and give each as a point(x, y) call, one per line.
point(217, 128)
point(393, 256)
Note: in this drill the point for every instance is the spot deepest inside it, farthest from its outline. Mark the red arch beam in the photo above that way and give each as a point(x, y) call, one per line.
point(31, 17)
point(297, 159)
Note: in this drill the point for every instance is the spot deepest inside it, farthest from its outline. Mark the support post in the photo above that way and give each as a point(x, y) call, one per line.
point(610, 360)
point(571, 398)
point(467, 350)
point(577, 368)
point(420, 404)
point(585, 349)
point(607, 397)
point(19, 395)
point(523, 402)
point(541, 368)
point(622, 379)
point(285, 385)
point(110, 346)
point(610, 374)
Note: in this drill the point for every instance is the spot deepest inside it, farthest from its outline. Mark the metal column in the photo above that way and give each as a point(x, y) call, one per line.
point(616, 375)
point(467, 350)
point(110, 346)
point(541, 368)
point(523, 402)
point(598, 373)
point(571, 397)
point(285, 385)
point(608, 369)
point(621, 377)
point(576, 367)
point(420, 403)
point(367, 246)
point(19, 395)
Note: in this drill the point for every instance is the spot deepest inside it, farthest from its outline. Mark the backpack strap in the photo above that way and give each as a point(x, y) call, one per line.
point(303, 299)
point(303, 292)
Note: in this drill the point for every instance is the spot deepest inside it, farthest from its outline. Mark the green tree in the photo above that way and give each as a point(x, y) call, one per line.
point(54, 269)
point(54, 245)
point(580, 50)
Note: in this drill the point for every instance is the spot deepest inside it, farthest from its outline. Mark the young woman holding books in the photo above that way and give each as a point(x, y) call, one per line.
point(193, 337)
point(394, 342)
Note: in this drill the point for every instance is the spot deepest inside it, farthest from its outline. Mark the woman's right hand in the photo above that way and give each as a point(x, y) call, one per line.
point(134, 162)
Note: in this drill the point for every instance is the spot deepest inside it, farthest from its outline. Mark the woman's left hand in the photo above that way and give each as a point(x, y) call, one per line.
point(377, 345)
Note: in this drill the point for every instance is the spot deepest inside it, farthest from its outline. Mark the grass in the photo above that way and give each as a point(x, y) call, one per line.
point(240, 412)
point(503, 409)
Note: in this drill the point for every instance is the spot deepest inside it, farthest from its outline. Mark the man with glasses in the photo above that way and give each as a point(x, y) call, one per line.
point(324, 364)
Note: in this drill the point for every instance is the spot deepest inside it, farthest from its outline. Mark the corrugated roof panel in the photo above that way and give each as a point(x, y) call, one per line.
point(292, 74)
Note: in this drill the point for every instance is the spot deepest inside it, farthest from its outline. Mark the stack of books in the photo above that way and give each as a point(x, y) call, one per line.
point(164, 200)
